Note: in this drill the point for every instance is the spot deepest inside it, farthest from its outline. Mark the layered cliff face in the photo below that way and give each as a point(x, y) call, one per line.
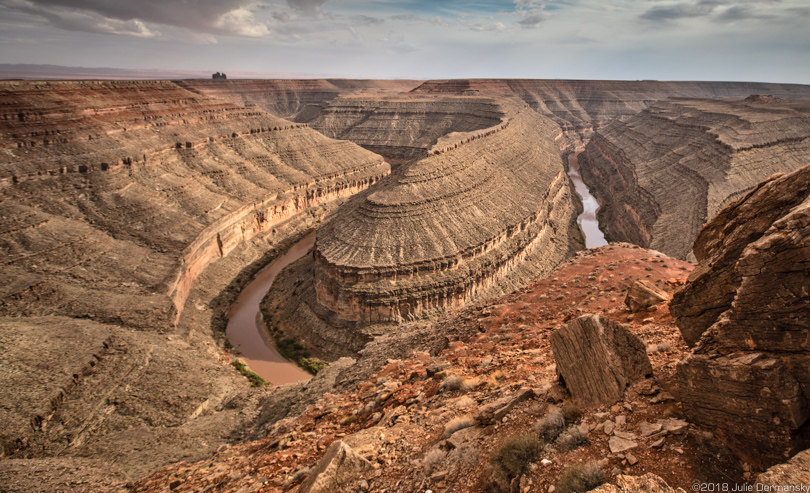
point(580, 106)
point(745, 310)
point(296, 100)
point(117, 195)
point(404, 128)
point(663, 173)
point(449, 228)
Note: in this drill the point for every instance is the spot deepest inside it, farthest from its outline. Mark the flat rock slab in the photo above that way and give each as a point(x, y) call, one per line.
point(598, 358)
point(618, 445)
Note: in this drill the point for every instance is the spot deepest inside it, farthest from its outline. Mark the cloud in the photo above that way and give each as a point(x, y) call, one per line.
point(365, 20)
point(406, 17)
point(680, 11)
point(532, 18)
point(229, 17)
point(308, 6)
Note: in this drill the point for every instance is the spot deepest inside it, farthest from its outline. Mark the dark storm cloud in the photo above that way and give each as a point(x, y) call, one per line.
point(680, 11)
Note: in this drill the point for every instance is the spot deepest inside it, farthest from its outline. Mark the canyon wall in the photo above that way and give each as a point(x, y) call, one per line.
point(581, 106)
point(296, 100)
point(661, 174)
point(744, 311)
point(116, 195)
point(449, 228)
point(404, 128)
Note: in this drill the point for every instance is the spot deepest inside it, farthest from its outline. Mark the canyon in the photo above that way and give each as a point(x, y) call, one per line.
point(135, 212)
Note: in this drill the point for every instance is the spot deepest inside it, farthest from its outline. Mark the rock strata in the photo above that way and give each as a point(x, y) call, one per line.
point(745, 311)
point(661, 174)
point(447, 229)
point(597, 359)
point(117, 195)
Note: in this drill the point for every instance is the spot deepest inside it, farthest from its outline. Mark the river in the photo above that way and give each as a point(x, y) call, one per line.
point(246, 331)
point(587, 220)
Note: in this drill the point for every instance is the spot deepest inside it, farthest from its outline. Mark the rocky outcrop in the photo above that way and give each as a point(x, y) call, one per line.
point(745, 310)
point(403, 128)
point(338, 466)
point(117, 195)
point(597, 359)
point(447, 229)
point(661, 174)
point(648, 483)
point(794, 474)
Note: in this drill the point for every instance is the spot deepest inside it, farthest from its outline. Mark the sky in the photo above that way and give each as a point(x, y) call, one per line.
point(735, 40)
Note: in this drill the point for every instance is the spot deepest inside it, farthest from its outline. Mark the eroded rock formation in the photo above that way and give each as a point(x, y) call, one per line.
point(598, 359)
point(403, 128)
point(745, 308)
point(447, 229)
point(663, 173)
point(117, 195)
point(296, 100)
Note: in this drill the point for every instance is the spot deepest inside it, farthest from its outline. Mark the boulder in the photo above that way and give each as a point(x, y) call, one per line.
point(597, 359)
point(745, 312)
point(339, 466)
point(648, 483)
point(794, 472)
point(643, 294)
point(750, 400)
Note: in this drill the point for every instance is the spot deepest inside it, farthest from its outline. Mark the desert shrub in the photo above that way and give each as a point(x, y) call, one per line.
point(663, 347)
point(550, 425)
point(312, 365)
point(254, 379)
point(452, 382)
point(580, 478)
point(431, 460)
point(469, 384)
point(571, 412)
point(570, 439)
point(348, 420)
point(456, 424)
point(515, 453)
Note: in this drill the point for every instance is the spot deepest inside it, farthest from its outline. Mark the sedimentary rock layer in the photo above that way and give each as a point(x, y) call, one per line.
point(745, 308)
point(296, 100)
point(663, 173)
point(583, 105)
point(116, 195)
point(444, 230)
point(403, 128)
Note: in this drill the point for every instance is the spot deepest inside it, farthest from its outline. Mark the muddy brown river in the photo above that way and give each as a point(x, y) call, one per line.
point(246, 331)
point(587, 220)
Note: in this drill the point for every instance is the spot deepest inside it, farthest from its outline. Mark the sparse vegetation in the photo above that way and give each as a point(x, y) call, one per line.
point(312, 365)
point(457, 424)
point(571, 412)
point(549, 427)
point(580, 478)
point(254, 379)
point(513, 455)
point(431, 460)
point(570, 439)
point(348, 420)
point(452, 382)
